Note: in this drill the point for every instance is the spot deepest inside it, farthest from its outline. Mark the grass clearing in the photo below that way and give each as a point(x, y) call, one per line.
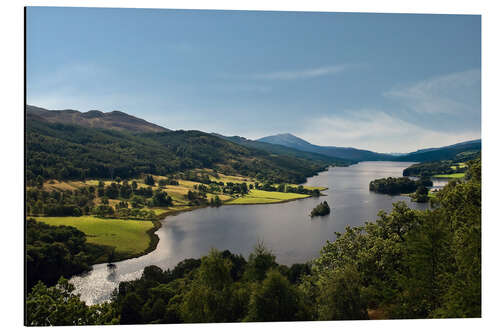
point(223, 197)
point(128, 237)
point(259, 196)
point(231, 179)
point(55, 185)
point(451, 175)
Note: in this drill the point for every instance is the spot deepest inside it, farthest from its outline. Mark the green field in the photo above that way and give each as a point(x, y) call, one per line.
point(320, 188)
point(263, 197)
point(128, 237)
point(460, 165)
point(451, 175)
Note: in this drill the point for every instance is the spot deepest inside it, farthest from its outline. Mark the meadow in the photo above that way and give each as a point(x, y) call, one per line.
point(128, 237)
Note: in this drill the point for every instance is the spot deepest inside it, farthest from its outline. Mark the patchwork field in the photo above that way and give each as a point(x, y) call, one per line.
point(258, 196)
point(128, 237)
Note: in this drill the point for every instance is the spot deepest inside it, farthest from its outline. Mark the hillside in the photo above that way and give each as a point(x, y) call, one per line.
point(353, 154)
point(114, 120)
point(451, 152)
point(62, 151)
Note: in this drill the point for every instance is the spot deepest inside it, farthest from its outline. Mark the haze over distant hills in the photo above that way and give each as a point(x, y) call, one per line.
point(284, 150)
point(356, 155)
point(348, 153)
point(115, 120)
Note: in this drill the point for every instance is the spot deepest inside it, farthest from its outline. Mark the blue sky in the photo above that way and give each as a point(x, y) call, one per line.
point(384, 82)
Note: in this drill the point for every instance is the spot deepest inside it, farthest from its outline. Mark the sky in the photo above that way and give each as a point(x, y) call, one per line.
point(383, 82)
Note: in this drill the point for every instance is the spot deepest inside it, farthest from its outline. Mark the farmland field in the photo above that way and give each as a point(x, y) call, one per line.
point(129, 237)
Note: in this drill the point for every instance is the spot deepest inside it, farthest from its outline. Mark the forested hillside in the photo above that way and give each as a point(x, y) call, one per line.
point(73, 152)
point(453, 152)
point(453, 166)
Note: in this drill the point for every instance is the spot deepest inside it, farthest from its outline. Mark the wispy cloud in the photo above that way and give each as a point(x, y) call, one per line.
point(455, 93)
point(292, 74)
point(232, 88)
point(373, 129)
point(300, 74)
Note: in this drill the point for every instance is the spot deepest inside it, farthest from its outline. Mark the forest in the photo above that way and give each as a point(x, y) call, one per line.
point(455, 165)
point(406, 264)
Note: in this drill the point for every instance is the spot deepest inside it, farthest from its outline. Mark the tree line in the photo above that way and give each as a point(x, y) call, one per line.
point(398, 185)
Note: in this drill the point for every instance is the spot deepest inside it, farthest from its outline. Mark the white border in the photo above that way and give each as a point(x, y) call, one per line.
point(12, 67)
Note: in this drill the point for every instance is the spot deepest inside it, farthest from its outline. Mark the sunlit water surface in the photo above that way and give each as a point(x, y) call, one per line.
point(284, 228)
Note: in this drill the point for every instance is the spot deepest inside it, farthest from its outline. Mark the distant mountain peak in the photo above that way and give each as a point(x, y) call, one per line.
point(284, 139)
point(92, 114)
point(347, 153)
point(115, 120)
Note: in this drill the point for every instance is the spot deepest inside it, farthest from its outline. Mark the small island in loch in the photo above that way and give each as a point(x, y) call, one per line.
point(321, 210)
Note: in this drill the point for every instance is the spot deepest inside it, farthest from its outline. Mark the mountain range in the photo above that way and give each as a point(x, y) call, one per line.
point(352, 154)
point(358, 155)
point(281, 146)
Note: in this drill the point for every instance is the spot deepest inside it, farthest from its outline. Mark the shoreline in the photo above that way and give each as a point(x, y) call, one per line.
point(153, 237)
point(157, 224)
point(273, 203)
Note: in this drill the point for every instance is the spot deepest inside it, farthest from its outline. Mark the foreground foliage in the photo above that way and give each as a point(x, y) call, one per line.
point(407, 264)
point(55, 251)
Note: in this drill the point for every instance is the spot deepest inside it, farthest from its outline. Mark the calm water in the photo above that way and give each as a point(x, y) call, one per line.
point(284, 228)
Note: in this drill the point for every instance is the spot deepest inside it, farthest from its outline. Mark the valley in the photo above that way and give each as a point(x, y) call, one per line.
point(127, 198)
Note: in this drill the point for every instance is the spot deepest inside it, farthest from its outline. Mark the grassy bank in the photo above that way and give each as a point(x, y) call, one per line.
point(133, 238)
point(263, 197)
point(129, 238)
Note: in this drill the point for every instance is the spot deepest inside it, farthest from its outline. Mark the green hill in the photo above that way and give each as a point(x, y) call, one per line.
point(63, 151)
